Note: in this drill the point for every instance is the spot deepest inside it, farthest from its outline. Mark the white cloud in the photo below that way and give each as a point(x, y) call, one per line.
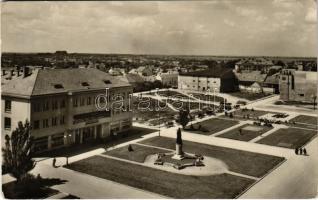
point(311, 15)
point(246, 12)
point(229, 22)
point(288, 4)
point(158, 27)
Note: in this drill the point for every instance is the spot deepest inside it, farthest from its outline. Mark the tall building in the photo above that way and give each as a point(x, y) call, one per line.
point(297, 85)
point(61, 106)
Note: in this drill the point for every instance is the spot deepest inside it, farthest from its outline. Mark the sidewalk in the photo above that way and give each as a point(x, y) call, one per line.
point(295, 179)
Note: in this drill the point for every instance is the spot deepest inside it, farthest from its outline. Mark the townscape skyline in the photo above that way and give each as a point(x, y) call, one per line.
point(263, 28)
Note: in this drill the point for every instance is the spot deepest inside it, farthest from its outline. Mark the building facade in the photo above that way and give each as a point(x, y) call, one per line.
point(219, 80)
point(61, 106)
point(297, 85)
point(168, 79)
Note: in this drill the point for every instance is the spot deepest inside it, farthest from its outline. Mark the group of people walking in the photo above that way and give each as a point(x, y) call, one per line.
point(300, 151)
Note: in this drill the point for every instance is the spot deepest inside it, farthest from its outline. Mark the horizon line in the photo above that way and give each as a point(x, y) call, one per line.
point(152, 54)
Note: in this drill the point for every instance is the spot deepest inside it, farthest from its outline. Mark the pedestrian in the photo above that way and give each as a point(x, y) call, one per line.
point(130, 148)
point(240, 130)
point(305, 152)
point(300, 151)
point(54, 161)
point(296, 151)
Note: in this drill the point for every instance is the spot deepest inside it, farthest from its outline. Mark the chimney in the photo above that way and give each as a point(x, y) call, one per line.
point(25, 72)
point(3, 72)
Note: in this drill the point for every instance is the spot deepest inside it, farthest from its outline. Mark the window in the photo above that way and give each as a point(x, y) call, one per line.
point(102, 99)
point(57, 140)
point(7, 123)
point(54, 121)
point(193, 80)
point(7, 105)
point(208, 81)
point(62, 120)
point(36, 124)
point(301, 95)
point(36, 107)
point(107, 82)
point(62, 105)
point(85, 84)
point(292, 82)
point(199, 81)
point(58, 86)
point(40, 144)
point(54, 105)
point(284, 78)
point(89, 100)
point(75, 102)
point(45, 123)
point(46, 106)
point(82, 101)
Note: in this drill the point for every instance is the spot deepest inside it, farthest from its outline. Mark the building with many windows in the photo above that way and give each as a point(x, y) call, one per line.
point(217, 80)
point(61, 105)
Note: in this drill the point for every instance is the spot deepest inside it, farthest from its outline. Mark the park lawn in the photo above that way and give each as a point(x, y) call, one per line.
point(212, 126)
point(289, 138)
point(305, 119)
point(172, 94)
point(246, 135)
point(244, 162)
point(138, 154)
point(11, 191)
point(207, 97)
point(145, 109)
point(249, 96)
point(161, 182)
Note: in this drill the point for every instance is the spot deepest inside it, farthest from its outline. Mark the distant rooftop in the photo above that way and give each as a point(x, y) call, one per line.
point(217, 72)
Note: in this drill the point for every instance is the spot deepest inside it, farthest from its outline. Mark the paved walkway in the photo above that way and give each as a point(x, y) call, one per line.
point(90, 187)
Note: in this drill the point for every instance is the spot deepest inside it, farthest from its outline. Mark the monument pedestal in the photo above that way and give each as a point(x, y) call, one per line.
point(179, 153)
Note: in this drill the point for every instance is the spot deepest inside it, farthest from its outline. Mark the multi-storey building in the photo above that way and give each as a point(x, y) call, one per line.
point(217, 80)
point(297, 85)
point(61, 106)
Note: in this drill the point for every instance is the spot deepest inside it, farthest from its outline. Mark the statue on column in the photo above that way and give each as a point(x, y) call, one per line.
point(179, 153)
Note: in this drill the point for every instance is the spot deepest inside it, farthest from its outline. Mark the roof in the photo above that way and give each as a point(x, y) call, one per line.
point(254, 76)
point(217, 72)
point(54, 81)
point(273, 79)
point(134, 78)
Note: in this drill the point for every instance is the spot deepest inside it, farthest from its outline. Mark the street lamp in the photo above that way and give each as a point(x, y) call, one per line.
point(158, 112)
point(314, 97)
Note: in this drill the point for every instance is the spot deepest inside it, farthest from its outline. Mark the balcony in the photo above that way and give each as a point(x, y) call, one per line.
point(90, 117)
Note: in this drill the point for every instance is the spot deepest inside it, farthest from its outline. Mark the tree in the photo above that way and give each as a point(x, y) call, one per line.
point(184, 118)
point(179, 137)
point(17, 152)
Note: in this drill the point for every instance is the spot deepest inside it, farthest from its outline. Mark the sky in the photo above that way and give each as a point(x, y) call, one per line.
point(227, 27)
